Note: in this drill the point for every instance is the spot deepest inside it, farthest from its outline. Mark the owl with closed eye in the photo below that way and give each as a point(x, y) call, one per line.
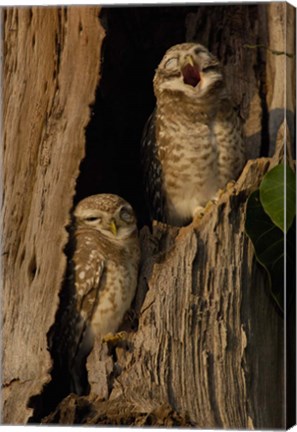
point(192, 144)
point(102, 277)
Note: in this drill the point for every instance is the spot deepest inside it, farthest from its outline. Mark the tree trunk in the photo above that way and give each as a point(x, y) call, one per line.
point(51, 63)
point(201, 345)
point(205, 343)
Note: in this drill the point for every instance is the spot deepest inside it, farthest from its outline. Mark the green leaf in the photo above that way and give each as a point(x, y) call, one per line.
point(272, 195)
point(268, 241)
point(291, 263)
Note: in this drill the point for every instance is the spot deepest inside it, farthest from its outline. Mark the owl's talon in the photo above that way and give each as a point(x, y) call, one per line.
point(210, 204)
point(198, 213)
point(114, 337)
point(230, 185)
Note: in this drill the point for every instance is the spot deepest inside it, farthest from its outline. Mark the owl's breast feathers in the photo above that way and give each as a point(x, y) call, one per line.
point(199, 152)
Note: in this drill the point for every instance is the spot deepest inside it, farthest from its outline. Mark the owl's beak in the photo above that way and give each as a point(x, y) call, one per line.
point(113, 227)
point(189, 61)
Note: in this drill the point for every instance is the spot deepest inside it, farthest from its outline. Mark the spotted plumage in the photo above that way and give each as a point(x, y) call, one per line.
point(103, 275)
point(192, 144)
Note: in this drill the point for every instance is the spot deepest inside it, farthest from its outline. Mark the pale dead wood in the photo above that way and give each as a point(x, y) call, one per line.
point(281, 69)
point(47, 93)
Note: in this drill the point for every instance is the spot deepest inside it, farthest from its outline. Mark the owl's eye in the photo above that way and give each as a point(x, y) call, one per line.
point(171, 63)
point(126, 214)
point(210, 68)
point(93, 219)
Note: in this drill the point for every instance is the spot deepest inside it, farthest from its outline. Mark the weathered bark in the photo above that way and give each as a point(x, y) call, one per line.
point(280, 70)
point(51, 62)
point(206, 344)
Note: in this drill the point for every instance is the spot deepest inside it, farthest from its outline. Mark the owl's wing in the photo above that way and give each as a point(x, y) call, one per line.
point(152, 171)
point(68, 339)
point(88, 271)
point(89, 265)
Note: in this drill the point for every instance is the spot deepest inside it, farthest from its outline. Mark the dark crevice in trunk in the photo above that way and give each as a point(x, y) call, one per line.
point(265, 142)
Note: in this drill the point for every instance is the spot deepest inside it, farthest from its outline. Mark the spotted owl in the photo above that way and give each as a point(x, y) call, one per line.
point(192, 144)
point(102, 275)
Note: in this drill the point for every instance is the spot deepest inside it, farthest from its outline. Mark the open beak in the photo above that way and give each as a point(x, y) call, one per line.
point(113, 228)
point(190, 71)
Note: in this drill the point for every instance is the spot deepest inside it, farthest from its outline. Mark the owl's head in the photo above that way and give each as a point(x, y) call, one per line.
point(190, 69)
point(109, 214)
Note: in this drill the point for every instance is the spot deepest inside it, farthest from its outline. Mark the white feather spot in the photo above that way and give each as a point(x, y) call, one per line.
point(82, 275)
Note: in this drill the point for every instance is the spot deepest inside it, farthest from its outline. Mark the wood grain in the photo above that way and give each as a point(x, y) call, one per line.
point(47, 93)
